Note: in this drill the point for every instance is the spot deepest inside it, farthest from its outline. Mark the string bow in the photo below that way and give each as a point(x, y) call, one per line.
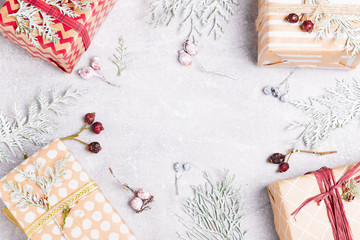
point(330, 194)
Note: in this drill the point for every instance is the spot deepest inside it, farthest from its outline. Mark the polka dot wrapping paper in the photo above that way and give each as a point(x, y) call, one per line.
point(312, 222)
point(91, 215)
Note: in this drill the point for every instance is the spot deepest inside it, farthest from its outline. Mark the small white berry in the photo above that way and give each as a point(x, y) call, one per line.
point(267, 90)
point(177, 166)
point(136, 204)
point(284, 97)
point(143, 194)
point(187, 166)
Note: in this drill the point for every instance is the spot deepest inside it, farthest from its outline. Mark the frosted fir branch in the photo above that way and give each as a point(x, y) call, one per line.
point(215, 212)
point(121, 57)
point(342, 27)
point(23, 195)
point(46, 183)
point(335, 109)
point(33, 23)
point(196, 16)
point(19, 129)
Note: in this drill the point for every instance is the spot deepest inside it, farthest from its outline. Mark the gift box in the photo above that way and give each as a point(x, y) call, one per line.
point(281, 43)
point(51, 186)
point(72, 34)
point(312, 220)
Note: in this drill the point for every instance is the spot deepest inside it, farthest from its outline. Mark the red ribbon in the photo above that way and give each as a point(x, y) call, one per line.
point(329, 189)
point(66, 20)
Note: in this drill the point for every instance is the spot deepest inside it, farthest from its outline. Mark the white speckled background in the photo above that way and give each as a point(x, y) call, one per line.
point(164, 112)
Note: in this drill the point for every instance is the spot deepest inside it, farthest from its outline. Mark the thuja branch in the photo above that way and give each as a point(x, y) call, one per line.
point(20, 129)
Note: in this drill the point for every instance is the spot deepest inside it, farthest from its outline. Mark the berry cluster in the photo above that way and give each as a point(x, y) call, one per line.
point(189, 51)
point(95, 127)
point(283, 159)
point(306, 26)
point(142, 198)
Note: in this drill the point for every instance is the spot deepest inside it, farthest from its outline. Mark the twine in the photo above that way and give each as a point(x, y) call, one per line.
point(311, 9)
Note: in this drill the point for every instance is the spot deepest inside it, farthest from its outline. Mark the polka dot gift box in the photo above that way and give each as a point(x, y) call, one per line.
point(50, 197)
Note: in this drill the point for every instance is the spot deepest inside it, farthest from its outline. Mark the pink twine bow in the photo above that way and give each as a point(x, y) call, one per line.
point(329, 189)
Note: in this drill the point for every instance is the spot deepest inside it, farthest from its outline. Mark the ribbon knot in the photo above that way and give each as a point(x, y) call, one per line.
point(330, 194)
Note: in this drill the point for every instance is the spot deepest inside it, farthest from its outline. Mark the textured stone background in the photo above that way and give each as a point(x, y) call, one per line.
point(164, 112)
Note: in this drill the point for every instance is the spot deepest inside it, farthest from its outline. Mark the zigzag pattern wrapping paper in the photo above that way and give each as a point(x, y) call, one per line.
point(66, 53)
point(91, 216)
point(284, 44)
point(312, 222)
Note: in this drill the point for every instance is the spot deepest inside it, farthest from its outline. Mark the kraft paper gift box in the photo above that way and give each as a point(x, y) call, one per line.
point(312, 222)
point(284, 44)
point(91, 215)
point(71, 45)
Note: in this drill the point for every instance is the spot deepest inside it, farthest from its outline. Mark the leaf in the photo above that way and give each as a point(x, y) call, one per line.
point(335, 109)
point(196, 16)
point(215, 212)
point(19, 129)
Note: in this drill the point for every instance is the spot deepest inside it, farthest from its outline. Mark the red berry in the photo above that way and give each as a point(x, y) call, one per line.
point(284, 167)
point(292, 18)
point(90, 118)
point(97, 127)
point(307, 26)
point(277, 158)
point(94, 147)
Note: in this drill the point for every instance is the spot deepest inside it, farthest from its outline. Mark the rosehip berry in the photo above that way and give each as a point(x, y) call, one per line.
point(97, 127)
point(136, 204)
point(277, 158)
point(284, 167)
point(292, 18)
point(90, 118)
point(94, 147)
point(143, 194)
point(307, 26)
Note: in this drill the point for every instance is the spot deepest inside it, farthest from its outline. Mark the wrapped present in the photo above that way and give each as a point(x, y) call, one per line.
point(318, 205)
point(50, 196)
point(334, 42)
point(58, 31)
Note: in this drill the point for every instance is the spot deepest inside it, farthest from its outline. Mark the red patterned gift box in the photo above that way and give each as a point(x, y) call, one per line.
point(74, 33)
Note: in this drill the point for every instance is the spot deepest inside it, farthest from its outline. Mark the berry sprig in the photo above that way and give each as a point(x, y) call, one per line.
point(96, 128)
point(141, 197)
point(306, 26)
point(186, 167)
point(283, 160)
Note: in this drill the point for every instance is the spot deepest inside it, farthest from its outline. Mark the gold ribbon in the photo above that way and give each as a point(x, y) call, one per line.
point(53, 212)
point(321, 7)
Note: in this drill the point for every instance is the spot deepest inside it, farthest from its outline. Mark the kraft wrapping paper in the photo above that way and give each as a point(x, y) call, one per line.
point(92, 216)
point(286, 45)
point(312, 222)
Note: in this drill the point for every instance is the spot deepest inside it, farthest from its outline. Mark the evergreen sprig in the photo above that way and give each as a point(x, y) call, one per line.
point(19, 129)
point(335, 109)
point(196, 16)
point(215, 212)
point(342, 27)
point(121, 57)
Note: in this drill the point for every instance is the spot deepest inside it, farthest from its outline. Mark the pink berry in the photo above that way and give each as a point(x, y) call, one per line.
point(90, 118)
point(307, 26)
point(284, 167)
point(292, 18)
point(185, 58)
point(136, 204)
point(97, 127)
point(143, 194)
point(191, 48)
